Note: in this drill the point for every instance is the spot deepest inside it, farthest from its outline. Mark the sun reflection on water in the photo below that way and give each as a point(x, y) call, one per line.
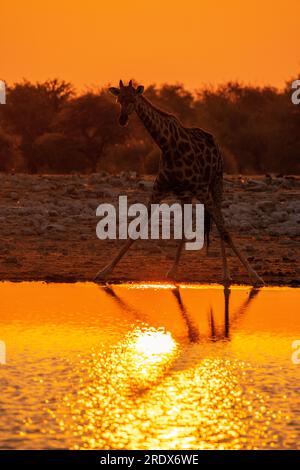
point(145, 393)
point(154, 344)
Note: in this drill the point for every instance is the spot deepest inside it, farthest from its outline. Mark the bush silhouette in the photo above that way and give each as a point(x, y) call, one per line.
point(57, 153)
point(10, 156)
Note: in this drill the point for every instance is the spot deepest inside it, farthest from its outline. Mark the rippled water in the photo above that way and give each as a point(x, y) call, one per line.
point(146, 366)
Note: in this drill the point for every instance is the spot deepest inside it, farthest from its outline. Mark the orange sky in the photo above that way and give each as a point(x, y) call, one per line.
point(195, 42)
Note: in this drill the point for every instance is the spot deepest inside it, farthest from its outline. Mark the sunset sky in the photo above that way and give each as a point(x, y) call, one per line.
point(195, 42)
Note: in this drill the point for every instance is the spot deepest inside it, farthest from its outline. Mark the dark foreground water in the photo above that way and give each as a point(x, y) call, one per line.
point(148, 366)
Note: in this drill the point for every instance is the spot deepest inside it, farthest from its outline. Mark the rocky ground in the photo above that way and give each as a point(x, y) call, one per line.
point(48, 223)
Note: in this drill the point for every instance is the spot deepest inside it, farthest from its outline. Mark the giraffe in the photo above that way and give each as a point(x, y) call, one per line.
point(191, 167)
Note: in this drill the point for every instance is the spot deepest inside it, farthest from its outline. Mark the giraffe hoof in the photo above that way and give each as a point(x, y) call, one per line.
point(256, 280)
point(227, 281)
point(259, 282)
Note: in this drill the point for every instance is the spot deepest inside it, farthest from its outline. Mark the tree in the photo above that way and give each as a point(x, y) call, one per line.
point(92, 120)
point(174, 99)
point(30, 111)
point(244, 120)
point(10, 157)
point(56, 153)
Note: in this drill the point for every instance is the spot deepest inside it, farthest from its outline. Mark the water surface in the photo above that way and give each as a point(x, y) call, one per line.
point(148, 366)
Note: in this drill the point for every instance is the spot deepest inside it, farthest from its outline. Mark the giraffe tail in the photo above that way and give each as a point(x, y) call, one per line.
point(207, 227)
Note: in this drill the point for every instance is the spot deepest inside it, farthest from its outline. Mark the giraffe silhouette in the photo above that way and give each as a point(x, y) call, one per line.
point(191, 167)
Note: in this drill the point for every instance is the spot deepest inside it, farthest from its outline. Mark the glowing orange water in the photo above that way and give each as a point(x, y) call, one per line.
point(148, 366)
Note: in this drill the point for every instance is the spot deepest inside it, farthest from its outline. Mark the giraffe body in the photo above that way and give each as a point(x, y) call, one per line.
point(191, 164)
point(190, 168)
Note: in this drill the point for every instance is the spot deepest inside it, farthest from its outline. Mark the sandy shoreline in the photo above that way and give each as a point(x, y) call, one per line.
point(48, 223)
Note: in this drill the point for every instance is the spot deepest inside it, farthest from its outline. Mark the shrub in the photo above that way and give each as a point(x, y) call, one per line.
point(56, 153)
point(10, 156)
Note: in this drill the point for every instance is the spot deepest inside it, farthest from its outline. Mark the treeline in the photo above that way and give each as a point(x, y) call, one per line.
point(48, 128)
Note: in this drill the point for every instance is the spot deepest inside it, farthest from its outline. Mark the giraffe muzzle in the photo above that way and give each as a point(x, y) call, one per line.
point(123, 119)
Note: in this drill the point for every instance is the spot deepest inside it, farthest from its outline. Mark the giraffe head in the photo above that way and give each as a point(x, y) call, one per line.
point(127, 96)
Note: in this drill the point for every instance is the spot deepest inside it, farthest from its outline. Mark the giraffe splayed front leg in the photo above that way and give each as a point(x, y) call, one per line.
point(103, 273)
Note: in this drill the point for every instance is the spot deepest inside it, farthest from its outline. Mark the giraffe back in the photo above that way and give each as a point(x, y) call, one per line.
point(191, 162)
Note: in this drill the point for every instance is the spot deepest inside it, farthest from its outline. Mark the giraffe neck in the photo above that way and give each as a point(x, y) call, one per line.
point(155, 121)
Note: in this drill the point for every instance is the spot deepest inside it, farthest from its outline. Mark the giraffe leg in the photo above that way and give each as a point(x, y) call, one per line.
point(172, 271)
point(226, 272)
point(225, 236)
point(110, 267)
point(103, 273)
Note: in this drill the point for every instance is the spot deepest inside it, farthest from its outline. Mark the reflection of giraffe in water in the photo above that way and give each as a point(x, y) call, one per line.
point(193, 333)
point(215, 336)
point(191, 167)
